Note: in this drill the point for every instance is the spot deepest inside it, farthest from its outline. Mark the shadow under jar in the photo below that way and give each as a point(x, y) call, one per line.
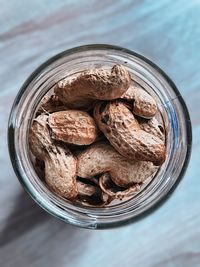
point(170, 104)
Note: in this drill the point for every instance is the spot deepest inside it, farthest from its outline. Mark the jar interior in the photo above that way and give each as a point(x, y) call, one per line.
point(158, 116)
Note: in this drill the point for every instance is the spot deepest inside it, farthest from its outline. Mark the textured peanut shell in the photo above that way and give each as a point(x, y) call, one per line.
point(60, 164)
point(101, 158)
point(104, 181)
point(73, 126)
point(153, 127)
point(39, 138)
point(97, 83)
point(50, 104)
point(144, 104)
point(123, 131)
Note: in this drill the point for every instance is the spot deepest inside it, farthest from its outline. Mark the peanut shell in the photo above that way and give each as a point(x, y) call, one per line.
point(153, 127)
point(116, 192)
point(101, 158)
point(60, 164)
point(73, 126)
point(144, 104)
point(93, 84)
point(123, 131)
point(50, 104)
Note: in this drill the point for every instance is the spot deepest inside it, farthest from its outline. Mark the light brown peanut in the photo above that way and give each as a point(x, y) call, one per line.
point(114, 191)
point(123, 131)
point(97, 83)
point(144, 104)
point(60, 164)
point(101, 158)
point(73, 126)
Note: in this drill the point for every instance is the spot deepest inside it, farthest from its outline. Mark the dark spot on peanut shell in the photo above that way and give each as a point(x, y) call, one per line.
point(161, 129)
point(105, 119)
point(67, 153)
point(108, 130)
point(50, 149)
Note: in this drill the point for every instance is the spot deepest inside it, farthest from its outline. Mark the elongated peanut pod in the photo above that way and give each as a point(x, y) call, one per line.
point(144, 104)
point(101, 158)
point(73, 126)
point(99, 83)
point(123, 131)
point(60, 164)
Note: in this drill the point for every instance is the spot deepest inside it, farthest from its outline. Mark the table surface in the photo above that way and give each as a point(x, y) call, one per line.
point(168, 33)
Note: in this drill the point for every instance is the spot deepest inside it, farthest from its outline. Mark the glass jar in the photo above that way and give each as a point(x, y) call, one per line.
point(171, 105)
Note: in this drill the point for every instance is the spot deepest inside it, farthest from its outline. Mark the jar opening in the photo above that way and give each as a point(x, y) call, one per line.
point(171, 106)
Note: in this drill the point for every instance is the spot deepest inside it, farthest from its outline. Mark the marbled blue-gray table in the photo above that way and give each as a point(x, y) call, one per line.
point(167, 32)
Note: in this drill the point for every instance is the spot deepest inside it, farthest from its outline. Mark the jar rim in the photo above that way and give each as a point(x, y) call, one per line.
point(94, 47)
